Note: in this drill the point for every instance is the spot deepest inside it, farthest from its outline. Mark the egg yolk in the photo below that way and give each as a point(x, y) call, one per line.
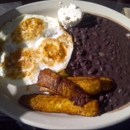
point(23, 62)
point(28, 29)
point(52, 51)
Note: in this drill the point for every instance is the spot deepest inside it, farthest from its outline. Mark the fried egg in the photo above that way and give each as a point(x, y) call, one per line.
point(30, 43)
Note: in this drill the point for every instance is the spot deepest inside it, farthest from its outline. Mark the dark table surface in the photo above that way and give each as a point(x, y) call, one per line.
point(7, 123)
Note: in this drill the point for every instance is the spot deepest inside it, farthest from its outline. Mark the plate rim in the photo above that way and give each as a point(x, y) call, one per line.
point(48, 126)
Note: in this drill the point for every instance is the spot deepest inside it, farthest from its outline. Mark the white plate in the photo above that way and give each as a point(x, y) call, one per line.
point(9, 94)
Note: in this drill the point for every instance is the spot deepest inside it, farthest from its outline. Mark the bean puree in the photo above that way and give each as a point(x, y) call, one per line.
point(102, 48)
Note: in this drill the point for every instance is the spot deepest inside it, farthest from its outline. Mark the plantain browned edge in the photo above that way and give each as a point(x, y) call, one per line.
point(93, 84)
point(90, 84)
point(58, 104)
point(107, 84)
point(62, 86)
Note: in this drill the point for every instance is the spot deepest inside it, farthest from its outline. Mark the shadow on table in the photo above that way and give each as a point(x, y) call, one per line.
point(23, 1)
point(7, 1)
point(121, 126)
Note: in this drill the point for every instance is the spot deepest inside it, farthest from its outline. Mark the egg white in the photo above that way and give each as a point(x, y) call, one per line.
point(52, 29)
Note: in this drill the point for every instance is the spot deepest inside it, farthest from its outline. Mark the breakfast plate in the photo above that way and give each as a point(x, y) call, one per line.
point(9, 94)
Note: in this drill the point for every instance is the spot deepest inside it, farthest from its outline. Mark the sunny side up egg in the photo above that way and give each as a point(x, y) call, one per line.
point(30, 43)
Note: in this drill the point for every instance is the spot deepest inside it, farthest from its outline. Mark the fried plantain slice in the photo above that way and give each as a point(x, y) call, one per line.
point(62, 86)
point(107, 84)
point(58, 104)
point(44, 89)
point(91, 84)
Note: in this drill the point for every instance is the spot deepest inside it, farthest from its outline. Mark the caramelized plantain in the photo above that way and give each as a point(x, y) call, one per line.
point(63, 73)
point(107, 84)
point(58, 104)
point(44, 89)
point(92, 84)
point(62, 86)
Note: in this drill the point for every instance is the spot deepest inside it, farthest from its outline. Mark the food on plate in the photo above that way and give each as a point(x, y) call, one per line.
point(107, 84)
point(58, 104)
point(66, 94)
point(31, 43)
point(36, 47)
point(45, 90)
point(93, 84)
point(70, 16)
point(63, 73)
point(90, 84)
point(62, 86)
point(101, 48)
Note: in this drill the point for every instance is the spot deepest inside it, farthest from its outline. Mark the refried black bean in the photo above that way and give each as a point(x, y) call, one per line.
point(101, 47)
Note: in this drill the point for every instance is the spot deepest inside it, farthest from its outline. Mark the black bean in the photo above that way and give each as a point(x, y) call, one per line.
point(88, 66)
point(115, 105)
point(72, 63)
point(90, 57)
point(70, 29)
point(99, 74)
point(127, 80)
point(95, 53)
point(95, 33)
point(125, 72)
point(97, 46)
point(109, 67)
point(84, 52)
point(108, 95)
point(98, 62)
point(126, 94)
point(82, 64)
point(108, 54)
point(78, 43)
point(107, 42)
point(101, 68)
point(84, 36)
point(84, 68)
point(110, 47)
point(82, 31)
point(128, 85)
point(114, 52)
point(84, 42)
point(105, 60)
point(119, 90)
point(113, 99)
point(108, 108)
point(85, 72)
point(95, 43)
point(79, 35)
point(76, 30)
point(75, 38)
point(99, 20)
point(105, 101)
point(92, 71)
point(101, 98)
point(81, 59)
point(104, 30)
point(78, 53)
point(102, 53)
point(77, 73)
point(117, 69)
point(73, 68)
